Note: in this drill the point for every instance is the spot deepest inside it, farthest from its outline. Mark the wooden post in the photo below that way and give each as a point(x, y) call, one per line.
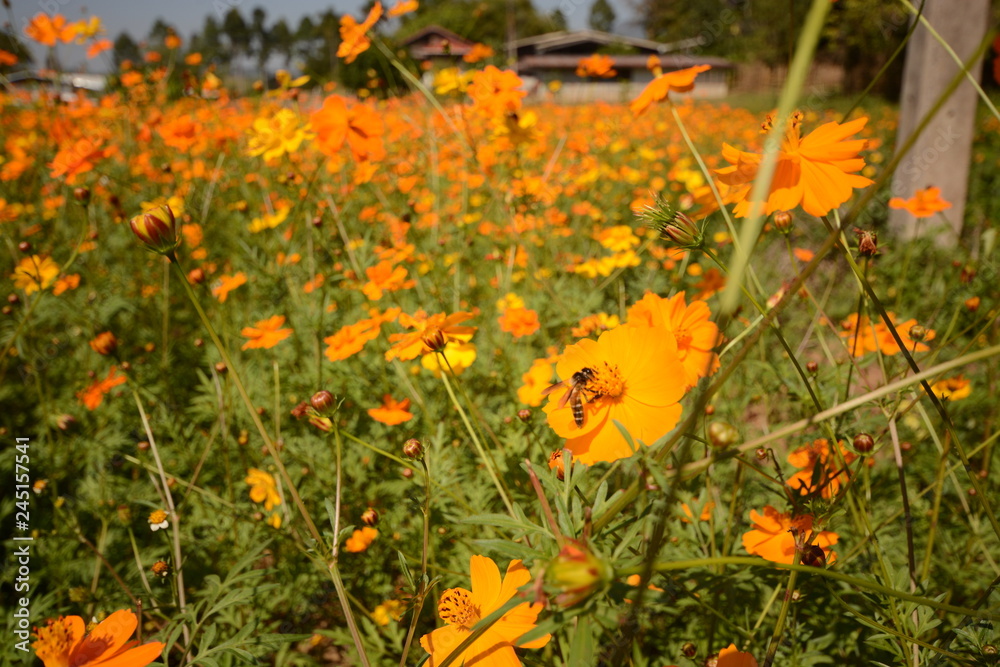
point(942, 154)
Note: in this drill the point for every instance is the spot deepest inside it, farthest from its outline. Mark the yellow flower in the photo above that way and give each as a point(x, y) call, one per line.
point(281, 133)
point(451, 80)
point(35, 273)
point(536, 380)
point(263, 488)
point(461, 609)
point(952, 389)
point(269, 221)
point(390, 610)
point(458, 355)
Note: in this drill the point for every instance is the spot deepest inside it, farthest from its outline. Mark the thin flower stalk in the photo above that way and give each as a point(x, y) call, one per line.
point(169, 498)
point(425, 550)
point(486, 459)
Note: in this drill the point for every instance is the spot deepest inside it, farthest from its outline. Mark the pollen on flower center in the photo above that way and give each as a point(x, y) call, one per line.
point(456, 608)
point(608, 381)
point(53, 640)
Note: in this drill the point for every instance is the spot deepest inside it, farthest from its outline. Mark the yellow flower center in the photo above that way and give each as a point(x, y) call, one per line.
point(54, 643)
point(608, 381)
point(159, 516)
point(456, 608)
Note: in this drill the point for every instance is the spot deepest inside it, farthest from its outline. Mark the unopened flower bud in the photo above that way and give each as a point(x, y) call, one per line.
point(722, 434)
point(761, 454)
point(13, 299)
point(66, 422)
point(689, 650)
point(863, 443)
point(709, 410)
point(413, 449)
point(82, 195)
point(990, 649)
point(972, 304)
point(812, 367)
point(917, 333)
point(24, 246)
point(243, 438)
point(317, 221)
point(577, 573)
point(157, 229)
point(782, 221)
point(524, 415)
point(143, 446)
point(434, 340)
point(407, 473)
point(196, 276)
point(221, 368)
point(323, 401)
point(369, 517)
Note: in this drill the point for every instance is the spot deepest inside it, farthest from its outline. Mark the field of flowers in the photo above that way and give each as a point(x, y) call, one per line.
point(451, 377)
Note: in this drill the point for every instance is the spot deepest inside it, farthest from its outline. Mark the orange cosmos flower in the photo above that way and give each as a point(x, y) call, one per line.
point(478, 52)
point(430, 333)
point(98, 47)
point(7, 58)
point(104, 343)
point(64, 643)
point(360, 540)
point(227, 284)
point(816, 172)
point(79, 158)
point(48, 30)
point(403, 7)
point(519, 322)
point(461, 609)
point(597, 65)
point(637, 380)
point(265, 334)
point(830, 476)
point(384, 277)
point(354, 36)
point(360, 126)
point(923, 204)
point(772, 535)
point(732, 657)
point(93, 395)
point(696, 336)
point(536, 380)
point(496, 92)
point(391, 411)
point(679, 81)
point(876, 336)
point(66, 283)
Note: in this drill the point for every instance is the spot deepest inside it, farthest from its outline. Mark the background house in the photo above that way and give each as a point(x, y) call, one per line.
point(543, 59)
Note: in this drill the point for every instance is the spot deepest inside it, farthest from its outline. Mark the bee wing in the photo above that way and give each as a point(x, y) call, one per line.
point(559, 385)
point(552, 387)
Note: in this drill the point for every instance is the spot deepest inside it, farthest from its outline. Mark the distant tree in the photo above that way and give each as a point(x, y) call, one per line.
point(209, 43)
point(124, 49)
point(11, 44)
point(321, 62)
point(558, 20)
point(602, 16)
point(862, 35)
point(283, 41)
point(483, 20)
point(260, 37)
point(237, 32)
point(159, 32)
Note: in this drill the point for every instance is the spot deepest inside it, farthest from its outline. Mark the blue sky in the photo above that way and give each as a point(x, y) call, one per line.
point(136, 16)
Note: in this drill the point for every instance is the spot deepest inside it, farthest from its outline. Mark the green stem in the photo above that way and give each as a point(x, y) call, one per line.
point(779, 626)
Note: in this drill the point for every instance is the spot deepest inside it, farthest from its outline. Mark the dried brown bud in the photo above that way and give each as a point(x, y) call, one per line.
point(812, 367)
point(863, 443)
point(813, 556)
point(867, 242)
point(413, 449)
point(161, 569)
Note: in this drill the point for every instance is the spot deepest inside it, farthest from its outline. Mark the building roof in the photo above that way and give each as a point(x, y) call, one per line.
point(437, 41)
point(670, 62)
point(562, 39)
